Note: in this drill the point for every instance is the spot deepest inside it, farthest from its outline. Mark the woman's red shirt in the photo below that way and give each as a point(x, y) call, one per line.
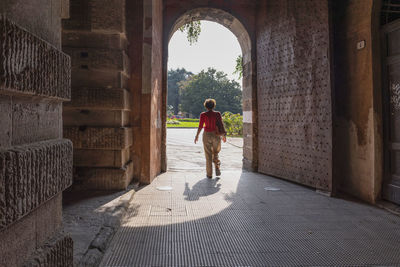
point(209, 118)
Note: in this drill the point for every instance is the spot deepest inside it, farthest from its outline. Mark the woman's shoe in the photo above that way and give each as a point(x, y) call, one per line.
point(209, 177)
point(217, 172)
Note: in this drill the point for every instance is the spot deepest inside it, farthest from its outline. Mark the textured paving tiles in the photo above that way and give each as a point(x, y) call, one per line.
point(234, 221)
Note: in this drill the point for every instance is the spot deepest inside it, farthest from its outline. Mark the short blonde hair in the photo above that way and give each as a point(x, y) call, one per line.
point(210, 103)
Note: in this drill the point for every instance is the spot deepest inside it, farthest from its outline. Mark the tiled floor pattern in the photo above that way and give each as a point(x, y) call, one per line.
point(234, 221)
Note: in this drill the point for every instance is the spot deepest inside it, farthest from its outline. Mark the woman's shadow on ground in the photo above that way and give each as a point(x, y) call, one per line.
point(204, 187)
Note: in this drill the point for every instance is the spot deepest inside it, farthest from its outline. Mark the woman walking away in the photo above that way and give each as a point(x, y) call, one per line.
point(213, 130)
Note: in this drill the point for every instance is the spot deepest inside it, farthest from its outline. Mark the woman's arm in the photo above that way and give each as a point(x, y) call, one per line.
point(223, 126)
point(201, 123)
point(197, 135)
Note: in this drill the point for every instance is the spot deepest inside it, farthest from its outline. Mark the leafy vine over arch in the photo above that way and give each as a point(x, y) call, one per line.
point(193, 30)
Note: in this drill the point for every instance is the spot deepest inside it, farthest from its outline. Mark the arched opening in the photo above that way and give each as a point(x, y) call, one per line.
point(197, 71)
point(249, 102)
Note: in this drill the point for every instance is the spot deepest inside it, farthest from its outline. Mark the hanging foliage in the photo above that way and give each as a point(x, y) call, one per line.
point(239, 67)
point(192, 30)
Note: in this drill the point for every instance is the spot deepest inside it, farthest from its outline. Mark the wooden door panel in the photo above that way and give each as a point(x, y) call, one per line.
point(394, 102)
point(395, 163)
point(391, 186)
point(393, 43)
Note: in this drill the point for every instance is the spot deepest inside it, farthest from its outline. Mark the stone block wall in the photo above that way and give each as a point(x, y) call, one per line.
point(97, 119)
point(35, 162)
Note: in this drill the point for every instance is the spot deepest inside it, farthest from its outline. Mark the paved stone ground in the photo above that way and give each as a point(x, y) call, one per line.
point(91, 219)
point(184, 155)
point(235, 221)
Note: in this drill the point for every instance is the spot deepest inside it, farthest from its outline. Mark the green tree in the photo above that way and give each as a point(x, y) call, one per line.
point(175, 77)
point(211, 84)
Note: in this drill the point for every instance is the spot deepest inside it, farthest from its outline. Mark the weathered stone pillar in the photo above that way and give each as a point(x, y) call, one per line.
point(145, 37)
point(35, 162)
point(97, 119)
point(358, 135)
point(250, 120)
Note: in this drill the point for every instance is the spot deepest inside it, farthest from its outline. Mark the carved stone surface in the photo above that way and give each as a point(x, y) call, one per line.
point(99, 98)
point(39, 17)
point(32, 174)
point(101, 158)
point(22, 238)
point(97, 59)
point(96, 117)
point(56, 252)
point(103, 178)
point(31, 66)
point(294, 92)
point(98, 79)
point(93, 40)
point(6, 121)
point(96, 15)
point(35, 121)
point(99, 138)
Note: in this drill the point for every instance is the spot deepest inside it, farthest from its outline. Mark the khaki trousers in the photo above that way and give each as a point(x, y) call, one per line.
point(212, 146)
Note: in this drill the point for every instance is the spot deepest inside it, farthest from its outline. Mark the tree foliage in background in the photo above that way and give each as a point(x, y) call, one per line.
point(233, 123)
point(211, 84)
point(175, 77)
point(193, 30)
point(239, 66)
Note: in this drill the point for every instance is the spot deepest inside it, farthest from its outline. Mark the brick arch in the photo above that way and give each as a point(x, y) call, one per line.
point(232, 23)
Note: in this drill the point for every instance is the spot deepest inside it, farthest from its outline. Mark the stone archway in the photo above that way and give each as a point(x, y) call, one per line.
point(249, 91)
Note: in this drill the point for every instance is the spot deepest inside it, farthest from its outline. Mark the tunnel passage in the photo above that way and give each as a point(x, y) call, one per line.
point(119, 87)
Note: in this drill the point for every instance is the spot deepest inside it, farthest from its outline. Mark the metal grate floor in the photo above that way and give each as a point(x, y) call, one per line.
point(234, 221)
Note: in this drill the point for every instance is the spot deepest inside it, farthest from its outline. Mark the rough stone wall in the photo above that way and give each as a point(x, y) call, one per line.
point(56, 252)
point(156, 87)
point(358, 123)
point(294, 91)
point(97, 119)
point(239, 16)
point(25, 240)
point(39, 17)
point(145, 35)
point(35, 162)
point(134, 24)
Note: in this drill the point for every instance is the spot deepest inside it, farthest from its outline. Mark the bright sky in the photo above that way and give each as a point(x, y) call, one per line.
point(217, 47)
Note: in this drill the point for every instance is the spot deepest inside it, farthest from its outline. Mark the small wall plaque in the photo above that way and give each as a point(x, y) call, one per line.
point(361, 45)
